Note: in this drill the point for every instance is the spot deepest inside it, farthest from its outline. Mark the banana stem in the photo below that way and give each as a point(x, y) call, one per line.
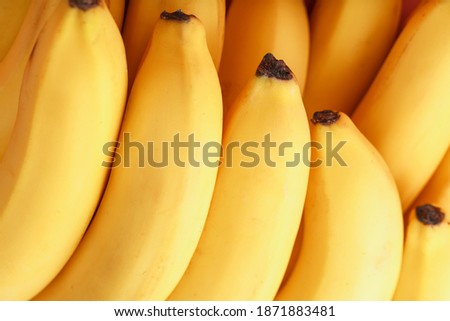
point(84, 4)
point(429, 214)
point(325, 117)
point(176, 15)
point(273, 68)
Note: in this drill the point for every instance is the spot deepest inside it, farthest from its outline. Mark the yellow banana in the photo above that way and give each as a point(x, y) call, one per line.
point(258, 198)
point(426, 262)
point(142, 15)
point(353, 228)
point(12, 15)
point(117, 9)
point(151, 216)
point(256, 27)
point(349, 41)
point(52, 178)
point(12, 67)
point(405, 112)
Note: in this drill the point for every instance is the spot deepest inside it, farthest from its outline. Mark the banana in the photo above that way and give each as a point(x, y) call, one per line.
point(52, 178)
point(258, 198)
point(254, 28)
point(12, 15)
point(117, 9)
point(353, 227)
point(349, 41)
point(142, 16)
point(12, 67)
point(424, 274)
point(151, 216)
point(405, 112)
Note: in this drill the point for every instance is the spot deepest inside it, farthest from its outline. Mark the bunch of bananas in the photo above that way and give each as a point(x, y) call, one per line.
point(224, 150)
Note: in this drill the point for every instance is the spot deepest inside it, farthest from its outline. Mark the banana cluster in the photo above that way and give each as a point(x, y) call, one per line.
point(224, 150)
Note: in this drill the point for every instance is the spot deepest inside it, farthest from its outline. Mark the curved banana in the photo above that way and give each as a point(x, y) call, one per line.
point(117, 9)
point(142, 16)
point(426, 262)
point(254, 28)
point(405, 113)
point(12, 15)
point(353, 228)
point(258, 198)
point(52, 178)
point(12, 67)
point(349, 41)
point(154, 207)
point(424, 275)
